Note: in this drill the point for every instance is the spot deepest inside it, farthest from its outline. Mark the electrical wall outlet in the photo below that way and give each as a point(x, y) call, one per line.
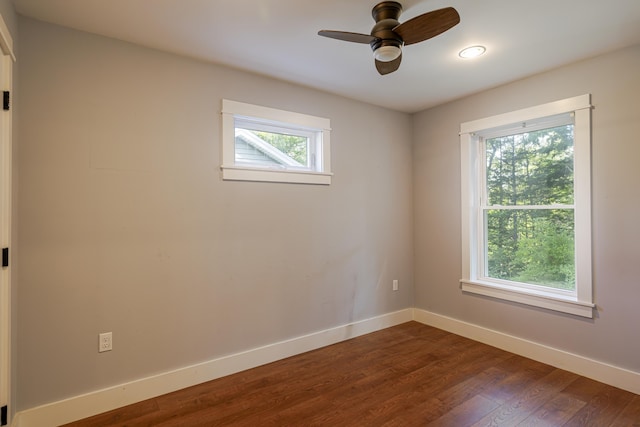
point(105, 342)
point(395, 285)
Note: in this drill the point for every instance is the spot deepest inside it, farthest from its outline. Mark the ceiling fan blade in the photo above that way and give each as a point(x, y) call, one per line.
point(347, 36)
point(388, 67)
point(427, 25)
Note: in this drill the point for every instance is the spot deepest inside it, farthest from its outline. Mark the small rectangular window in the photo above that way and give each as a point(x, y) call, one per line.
point(265, 144)
point(526, 221)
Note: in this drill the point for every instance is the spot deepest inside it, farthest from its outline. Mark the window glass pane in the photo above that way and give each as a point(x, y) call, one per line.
point(530, 168)
point(272, 149)
point(531, 246)
point(293, 146)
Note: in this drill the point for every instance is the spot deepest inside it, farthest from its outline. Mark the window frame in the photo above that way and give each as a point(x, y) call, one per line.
point(318, 128)
point(578, 302)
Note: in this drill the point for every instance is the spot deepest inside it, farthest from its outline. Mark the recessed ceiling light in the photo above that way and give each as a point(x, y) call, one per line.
point(472, 52)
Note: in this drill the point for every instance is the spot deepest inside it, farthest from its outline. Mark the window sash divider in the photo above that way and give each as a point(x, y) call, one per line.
point(526, 207)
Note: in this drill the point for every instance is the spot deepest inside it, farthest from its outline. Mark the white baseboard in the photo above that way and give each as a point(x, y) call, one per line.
point(86, 405)
point(599, 371)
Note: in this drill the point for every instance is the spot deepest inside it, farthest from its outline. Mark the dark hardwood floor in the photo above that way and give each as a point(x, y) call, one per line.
point(407, 375)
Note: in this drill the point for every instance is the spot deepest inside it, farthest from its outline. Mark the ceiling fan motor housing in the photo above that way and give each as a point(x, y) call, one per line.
point(386, 15)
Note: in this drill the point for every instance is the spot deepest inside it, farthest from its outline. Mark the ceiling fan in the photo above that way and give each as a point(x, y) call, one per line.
point(388, 35)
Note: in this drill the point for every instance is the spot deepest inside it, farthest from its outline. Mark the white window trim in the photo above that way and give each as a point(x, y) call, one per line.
point(578, 303)
point(255, 113)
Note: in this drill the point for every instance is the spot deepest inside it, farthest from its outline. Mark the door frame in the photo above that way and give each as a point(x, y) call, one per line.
point(7, 58)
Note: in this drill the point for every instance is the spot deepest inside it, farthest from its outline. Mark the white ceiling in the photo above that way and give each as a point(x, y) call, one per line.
point(278, 38)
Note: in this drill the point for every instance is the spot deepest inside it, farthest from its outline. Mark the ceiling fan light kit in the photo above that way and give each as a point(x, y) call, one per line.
point(388, 35)
point(387, 53)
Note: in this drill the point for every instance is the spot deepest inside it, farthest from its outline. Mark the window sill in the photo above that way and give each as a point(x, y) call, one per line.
point(538, 299)
point(235, 173)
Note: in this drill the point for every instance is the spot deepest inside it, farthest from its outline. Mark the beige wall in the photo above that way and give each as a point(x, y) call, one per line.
point(10, 18)
point(126, 226)
point(611, 337)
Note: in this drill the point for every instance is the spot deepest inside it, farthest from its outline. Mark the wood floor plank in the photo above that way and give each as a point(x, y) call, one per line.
point(630, 415)
point(603, 403)
point(469, 380)
point(407, 375)
point(468, 413)
point(409, 409)
point(524, 372)
point(526, 402)
point(557, 411)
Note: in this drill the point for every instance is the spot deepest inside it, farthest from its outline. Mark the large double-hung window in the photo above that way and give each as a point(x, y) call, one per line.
point(526, 206)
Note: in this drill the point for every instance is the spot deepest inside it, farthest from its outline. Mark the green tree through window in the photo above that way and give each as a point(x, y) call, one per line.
point(529, 215)
point(293, 146)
